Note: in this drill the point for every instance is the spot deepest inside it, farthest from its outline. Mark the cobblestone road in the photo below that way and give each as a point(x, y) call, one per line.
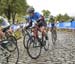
point(64, 53)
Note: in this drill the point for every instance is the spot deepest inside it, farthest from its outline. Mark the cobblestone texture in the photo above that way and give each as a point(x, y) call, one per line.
point(64, 52)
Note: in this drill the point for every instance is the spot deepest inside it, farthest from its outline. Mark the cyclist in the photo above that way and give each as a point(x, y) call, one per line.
point(52, 20)
point(4, 26)
point(37, 17)
point(53, 27)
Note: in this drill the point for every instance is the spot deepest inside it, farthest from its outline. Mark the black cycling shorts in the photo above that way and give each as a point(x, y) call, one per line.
point(41, 23)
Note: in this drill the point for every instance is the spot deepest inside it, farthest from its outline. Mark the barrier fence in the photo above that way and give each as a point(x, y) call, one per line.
point(65, 25)
point(61, 25)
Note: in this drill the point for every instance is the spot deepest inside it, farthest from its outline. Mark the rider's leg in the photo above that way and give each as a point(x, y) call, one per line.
point(43, 30)
point(1, 34)
point(42, 26)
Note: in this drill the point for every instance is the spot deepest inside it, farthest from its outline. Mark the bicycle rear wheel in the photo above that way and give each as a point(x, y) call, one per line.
point(34, 48)
point(12, 43)
point(47, 44)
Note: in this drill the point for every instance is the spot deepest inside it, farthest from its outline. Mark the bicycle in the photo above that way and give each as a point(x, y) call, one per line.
point(9, 45)
point(36, 43)
point(54, 35)
point(7, 54)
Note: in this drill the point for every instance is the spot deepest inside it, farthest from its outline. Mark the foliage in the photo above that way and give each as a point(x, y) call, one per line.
point(64, 17)
point(59, 17)
point(46, 13)
point(12, 7)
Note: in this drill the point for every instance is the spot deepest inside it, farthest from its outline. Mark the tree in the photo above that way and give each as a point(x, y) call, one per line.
point(46, 13)
point(64, 17)
point(0, 6)
point(59, 17)
point(20, 8)
point(12, 7)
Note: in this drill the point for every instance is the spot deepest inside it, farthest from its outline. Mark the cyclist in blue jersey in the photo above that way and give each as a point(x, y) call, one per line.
point(52, 20)
point(38, 18)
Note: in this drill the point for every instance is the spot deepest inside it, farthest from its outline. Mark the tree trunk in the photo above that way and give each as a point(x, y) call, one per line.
point(8, 13)
point(0, 7)
point(13, 17)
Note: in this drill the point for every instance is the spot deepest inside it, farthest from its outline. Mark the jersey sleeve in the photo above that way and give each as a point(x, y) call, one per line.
point(38, 15)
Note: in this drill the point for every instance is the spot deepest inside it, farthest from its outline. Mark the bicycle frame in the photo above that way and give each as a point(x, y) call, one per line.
point(35, 32)
point(5, 52)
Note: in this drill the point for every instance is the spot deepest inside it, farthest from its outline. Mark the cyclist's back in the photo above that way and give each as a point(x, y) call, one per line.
point(52, 21)
point(36, 16)
point(4, 22)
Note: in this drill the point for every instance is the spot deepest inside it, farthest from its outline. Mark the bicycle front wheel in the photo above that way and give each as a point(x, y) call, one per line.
point(25, 39)
point(54, 37)
point(34, 48)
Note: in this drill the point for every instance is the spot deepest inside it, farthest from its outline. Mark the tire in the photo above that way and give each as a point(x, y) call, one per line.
point(31, 42)
point(54, 37)
point(47, 44)
point(12, 43)
point(11, 57)
point(25, 39)
point(14, 57)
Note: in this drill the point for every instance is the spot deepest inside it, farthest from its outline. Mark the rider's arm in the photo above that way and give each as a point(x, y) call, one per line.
point(30, 24)
point(41, 18)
